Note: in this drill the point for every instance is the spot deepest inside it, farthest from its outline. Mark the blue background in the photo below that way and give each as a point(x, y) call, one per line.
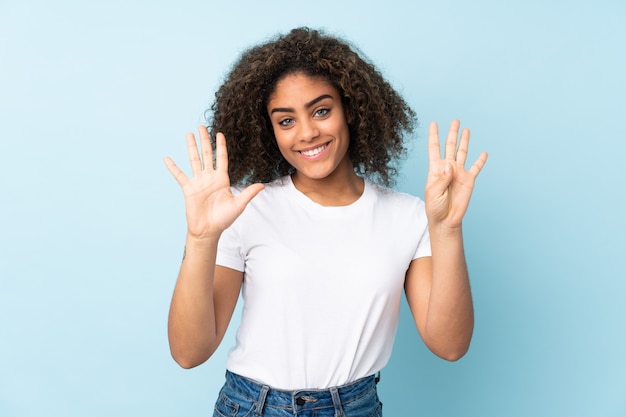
point(93, 95)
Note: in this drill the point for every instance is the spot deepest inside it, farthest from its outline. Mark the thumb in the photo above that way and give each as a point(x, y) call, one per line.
point(444, 177)
point(248, 194)
point(438, 183)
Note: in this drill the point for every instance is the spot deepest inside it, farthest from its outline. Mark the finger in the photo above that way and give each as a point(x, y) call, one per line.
point(221, 154)
point(207, 149)
point(479, 164)
point(461, 153)
point(453, 134)
point(434, 151)
point(176, 172)
point(194, 156)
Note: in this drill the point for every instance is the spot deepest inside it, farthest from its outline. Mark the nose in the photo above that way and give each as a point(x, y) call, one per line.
point(308, 131)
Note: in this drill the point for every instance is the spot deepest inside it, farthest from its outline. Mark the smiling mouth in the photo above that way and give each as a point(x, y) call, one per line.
point(314, 152)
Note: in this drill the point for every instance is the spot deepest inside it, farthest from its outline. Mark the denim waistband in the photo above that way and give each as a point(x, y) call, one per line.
point(265, 396)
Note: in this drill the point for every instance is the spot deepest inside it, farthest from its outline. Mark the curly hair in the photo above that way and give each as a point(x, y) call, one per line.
point(378, 116)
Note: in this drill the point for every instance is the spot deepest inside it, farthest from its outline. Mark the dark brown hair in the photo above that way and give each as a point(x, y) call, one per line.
point(378, 116)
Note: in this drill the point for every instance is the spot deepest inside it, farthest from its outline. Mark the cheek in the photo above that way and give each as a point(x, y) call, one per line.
point(343, 130)
point(280, 139)
point(283, 144)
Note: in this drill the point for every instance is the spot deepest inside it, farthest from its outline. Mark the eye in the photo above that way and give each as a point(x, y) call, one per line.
point(285, 122)
point(322, 112)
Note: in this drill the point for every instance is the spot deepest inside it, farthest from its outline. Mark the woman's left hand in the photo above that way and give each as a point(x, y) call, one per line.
point(449, 185)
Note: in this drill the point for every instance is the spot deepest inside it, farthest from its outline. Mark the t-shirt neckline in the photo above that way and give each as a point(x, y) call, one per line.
point(305, 201)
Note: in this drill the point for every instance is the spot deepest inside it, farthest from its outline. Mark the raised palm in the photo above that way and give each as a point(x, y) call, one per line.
point(449, 185)
point(210, 205)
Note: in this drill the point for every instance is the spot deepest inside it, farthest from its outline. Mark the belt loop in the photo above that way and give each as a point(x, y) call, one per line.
point(377, 378)
point(261, 401)
point(334, 392)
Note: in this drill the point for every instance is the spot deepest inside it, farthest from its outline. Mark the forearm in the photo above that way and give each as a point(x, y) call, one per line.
point(191, 325)
point(450, 318)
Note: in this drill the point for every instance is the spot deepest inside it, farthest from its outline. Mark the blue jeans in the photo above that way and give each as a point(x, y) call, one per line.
point(242, 397)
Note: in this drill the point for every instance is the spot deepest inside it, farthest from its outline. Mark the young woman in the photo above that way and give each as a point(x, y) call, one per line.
point(306, 131)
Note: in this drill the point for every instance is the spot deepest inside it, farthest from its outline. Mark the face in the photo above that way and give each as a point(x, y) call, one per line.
point(310, 126)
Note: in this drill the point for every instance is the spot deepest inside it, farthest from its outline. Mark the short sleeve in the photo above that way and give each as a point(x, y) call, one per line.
point(423, 244)
point(229, 248)
point(229, 253)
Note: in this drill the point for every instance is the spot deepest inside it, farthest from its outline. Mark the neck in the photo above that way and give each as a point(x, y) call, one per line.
point(343, 187)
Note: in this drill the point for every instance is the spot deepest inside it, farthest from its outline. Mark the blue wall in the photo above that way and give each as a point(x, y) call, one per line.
point(93, 95)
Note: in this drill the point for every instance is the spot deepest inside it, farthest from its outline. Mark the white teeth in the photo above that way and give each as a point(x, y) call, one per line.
point(313, 152)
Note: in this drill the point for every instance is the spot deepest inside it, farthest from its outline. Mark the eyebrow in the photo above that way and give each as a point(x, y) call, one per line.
point(307, 105)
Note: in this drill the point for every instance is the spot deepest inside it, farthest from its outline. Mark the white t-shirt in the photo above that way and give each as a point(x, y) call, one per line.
point(322, 285)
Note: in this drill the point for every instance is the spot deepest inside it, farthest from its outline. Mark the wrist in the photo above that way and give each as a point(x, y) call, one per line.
point(445, 231)
point(201, 242)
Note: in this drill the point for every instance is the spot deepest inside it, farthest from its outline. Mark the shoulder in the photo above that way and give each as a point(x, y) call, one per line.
point(392, 197)
point(398, 207)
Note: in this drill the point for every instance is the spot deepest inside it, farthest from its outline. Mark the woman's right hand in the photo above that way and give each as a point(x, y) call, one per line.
point(210, 205)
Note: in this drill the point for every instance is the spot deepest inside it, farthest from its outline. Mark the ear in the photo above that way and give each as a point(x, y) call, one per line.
point(348, 116)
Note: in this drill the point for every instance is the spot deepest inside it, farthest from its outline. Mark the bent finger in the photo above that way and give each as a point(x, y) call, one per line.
point(438, 187)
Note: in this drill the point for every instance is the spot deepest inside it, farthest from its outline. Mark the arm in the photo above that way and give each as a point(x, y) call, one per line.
point(204, 299)
point(437, 287)
point(205, 294)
